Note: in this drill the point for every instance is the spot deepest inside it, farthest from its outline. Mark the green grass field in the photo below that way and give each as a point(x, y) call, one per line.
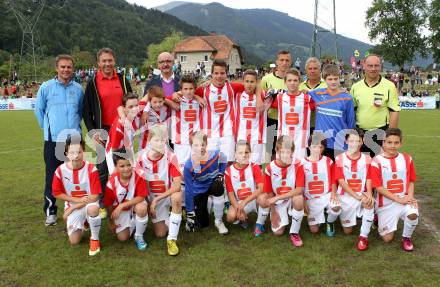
point(34, 255)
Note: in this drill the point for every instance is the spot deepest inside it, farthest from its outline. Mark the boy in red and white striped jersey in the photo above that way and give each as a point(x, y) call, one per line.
point(354, 190)
point(77, 183)
point(164, 178)
point(250, 123)
point(320, 187)
point(155, 112)
point(218, 120)
point(124, 198)
point(393, 176)
point(185, 121)
point(294, 108)
point(244, 184)
point(124, 127)
point(283, 190)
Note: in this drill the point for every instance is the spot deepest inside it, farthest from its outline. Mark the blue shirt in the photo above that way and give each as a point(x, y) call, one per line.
point(198, 181)
point(59, 109)
point(334, 113)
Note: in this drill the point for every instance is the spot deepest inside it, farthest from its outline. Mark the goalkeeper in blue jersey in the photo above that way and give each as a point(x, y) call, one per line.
point(204, 176)
point(334, 109)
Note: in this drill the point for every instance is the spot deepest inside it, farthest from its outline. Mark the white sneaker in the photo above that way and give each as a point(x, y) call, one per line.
point(221, 227)
point(51, 220)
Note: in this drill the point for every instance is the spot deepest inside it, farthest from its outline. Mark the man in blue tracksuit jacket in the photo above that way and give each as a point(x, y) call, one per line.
point(59, 112)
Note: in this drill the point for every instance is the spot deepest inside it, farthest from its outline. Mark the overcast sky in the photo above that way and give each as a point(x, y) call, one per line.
point(350, 14)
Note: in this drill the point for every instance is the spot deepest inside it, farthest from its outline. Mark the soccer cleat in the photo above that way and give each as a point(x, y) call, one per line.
point(140, 243)
point(244, 225)
point(173, 250)
point(296, 239)
point(221, 227)
point(259, 230)
point(362, 243)
point(407, 244)
point(226, 208)
point(330, 230)
point(103, 213)
point(95, 247)
point(51, 220)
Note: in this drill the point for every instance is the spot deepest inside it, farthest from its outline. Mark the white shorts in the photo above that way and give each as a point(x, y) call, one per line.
point(250, 207)
point(226, 145)
point(316, 208)
point(351, 209)
point(389, 215)
point(182, 152)
point(125, 220)
point(284, 209)
point(76, 220)
point(257, 153)
point(162, 209)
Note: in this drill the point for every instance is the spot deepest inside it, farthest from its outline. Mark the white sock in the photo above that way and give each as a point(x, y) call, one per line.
point(332, 215)
point(262, 215)
point(95, 226)
point(367, 221)
point(210, 204)
point(409, 226)
point(219, 205)
point(297, 216)
point(141, 225)
point(173, 228)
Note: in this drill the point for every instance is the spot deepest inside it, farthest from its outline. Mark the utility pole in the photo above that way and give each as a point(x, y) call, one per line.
point(319, 12)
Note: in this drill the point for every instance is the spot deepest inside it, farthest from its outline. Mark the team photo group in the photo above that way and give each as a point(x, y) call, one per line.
point(284, 147)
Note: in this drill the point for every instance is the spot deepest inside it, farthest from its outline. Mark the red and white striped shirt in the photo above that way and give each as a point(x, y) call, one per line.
point(218, 118)
point(282, 179)
point(243, 181)
point(294, 116)
point(117, 193)
point(355, 172)
point(394, 174)
point(154, 118)
point(318, 176)
point(250, 124)
point(77, 182)
point(185, 121)
point(159, 173)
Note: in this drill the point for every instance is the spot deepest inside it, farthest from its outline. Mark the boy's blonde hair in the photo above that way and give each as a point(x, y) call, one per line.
point(158, 131)
point(198, 136)
point(284, 142)
point(243, 143)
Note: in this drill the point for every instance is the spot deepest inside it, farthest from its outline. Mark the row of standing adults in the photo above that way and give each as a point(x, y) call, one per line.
point(61, 104)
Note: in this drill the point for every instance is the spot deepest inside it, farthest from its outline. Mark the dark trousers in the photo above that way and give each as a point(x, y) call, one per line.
point(52, 162)
point(373, 141)
point(101, 164)
point(271, 122)
point(201, 202)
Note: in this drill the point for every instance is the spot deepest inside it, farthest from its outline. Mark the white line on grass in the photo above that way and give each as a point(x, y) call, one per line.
point(20, 150)
point(421, 136)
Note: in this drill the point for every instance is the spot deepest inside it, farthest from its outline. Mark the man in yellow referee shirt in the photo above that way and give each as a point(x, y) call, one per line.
point(376, 103)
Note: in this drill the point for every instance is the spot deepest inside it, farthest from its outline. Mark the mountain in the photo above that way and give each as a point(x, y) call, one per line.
point(263, 32)
point(170, 5)
point(92, 24)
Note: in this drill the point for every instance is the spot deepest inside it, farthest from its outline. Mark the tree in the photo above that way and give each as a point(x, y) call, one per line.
point(397, 25)
point(434, 25)
point(167, 45)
